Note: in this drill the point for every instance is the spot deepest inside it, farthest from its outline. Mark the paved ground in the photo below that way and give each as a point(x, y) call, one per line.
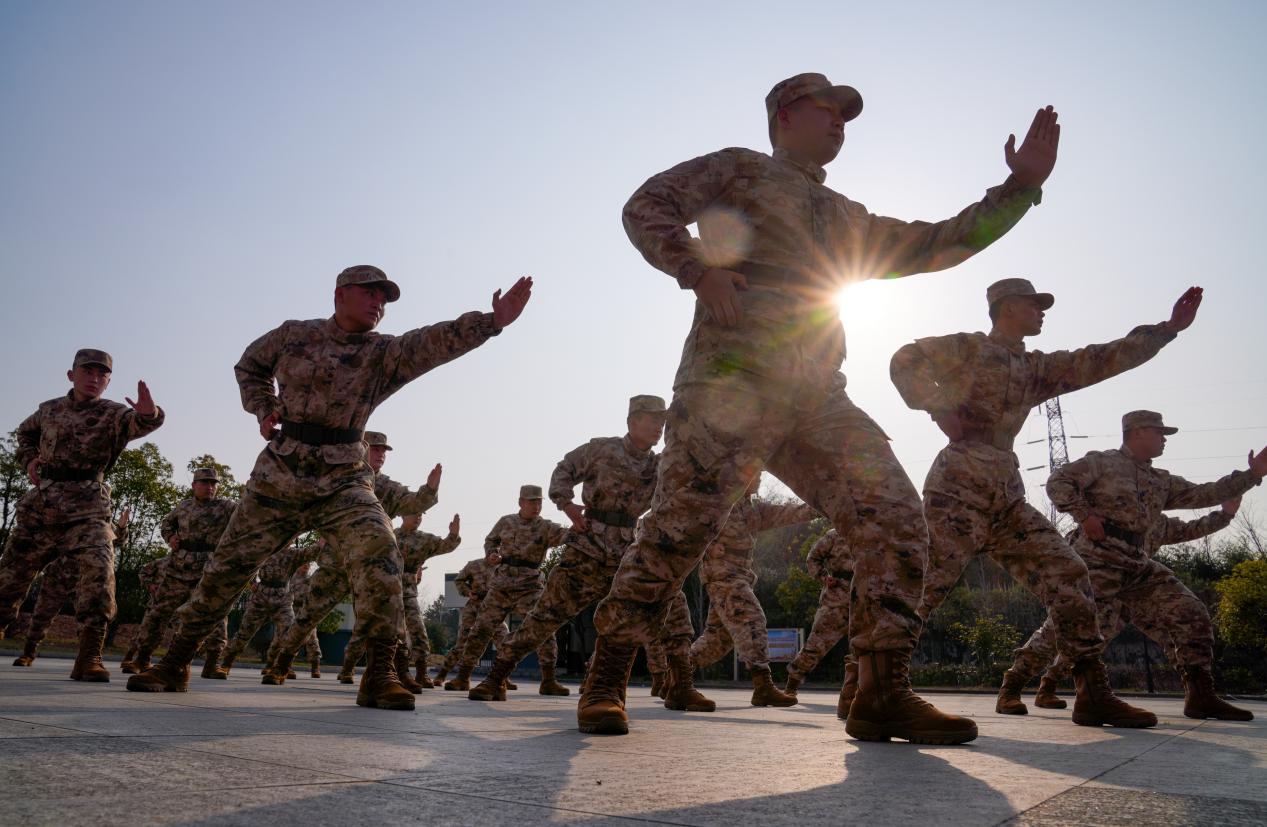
point(242, 753)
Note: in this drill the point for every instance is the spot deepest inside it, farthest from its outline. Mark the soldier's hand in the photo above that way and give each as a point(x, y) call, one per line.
point(494, 559)
point(1258, 464)
point(1093, 527)
point(433, 479)
point(718, 289)
point(31, 473)
point(268, 425)
point(125, 516)
point(455, 526)
point(174, 543)
point(1034, 161)
point(144, 404)
point(577, 515)
point(950, 423)
point(1232, 506)
point(1185, 310)
point(507, 308)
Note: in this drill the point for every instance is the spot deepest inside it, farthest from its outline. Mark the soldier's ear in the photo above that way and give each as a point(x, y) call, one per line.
point(70, 374)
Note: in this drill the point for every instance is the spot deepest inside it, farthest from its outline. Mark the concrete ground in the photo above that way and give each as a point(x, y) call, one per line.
point(237, 752)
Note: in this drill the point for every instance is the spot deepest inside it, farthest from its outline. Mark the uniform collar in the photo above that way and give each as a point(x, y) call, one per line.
point(808, 167)
point(79, 406)
point(342, 336)
point(633, 449)
point(1147, 463)
point(1017, 346)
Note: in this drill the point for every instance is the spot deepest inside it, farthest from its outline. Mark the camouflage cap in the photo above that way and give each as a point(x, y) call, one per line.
point(645, 403)
point(529, 492)
point(373, 438)
point(88, 356)
point(368, 274)
point(206, 475)
point(812, 83)
point(1145, 419)
point(1006, 288)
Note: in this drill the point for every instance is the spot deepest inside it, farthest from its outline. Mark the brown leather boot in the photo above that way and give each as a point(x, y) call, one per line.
point(1009, 701)
point(1199, 700)
point(601, 707)
point(657, 684)
point(314, 668)
point(211, 666)
point(128, 666)
point(28, 653)
point(793, 684)
point(380, 685)
point(400, 661)
point(347, 672)
point(226, 664)
point(493, 687)
point(550, 686)
point(1047, 697)
point(88, 666)
point(423, 679)
point(277, 672)
point(848, 688)
point(765, 693)
point(511, 685)
point(172, 672)
point(141, 663)
point(885, 707)
point(681, 693)
point(1096, 705)
point(461, 681)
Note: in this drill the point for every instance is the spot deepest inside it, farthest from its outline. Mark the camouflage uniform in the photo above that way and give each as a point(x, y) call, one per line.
point(271, 601)
point(301, 594)
point(828, 557)
point(735, 617)
point(67, 515)
point(56, 586)
point(1129, 585)
point(150, 576)
point(313, 475)
point(472, 583)
point(974, 499)
point(768, 391)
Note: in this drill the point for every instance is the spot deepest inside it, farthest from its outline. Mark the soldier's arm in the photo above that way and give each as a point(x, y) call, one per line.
point(28, 438)
point(657, 215)
point(816, 561)
point(1185, 531)
point(397, 499)
point(1185, 494)
point(493, 542)
point(418, 351)
point(924, 371)
point(255, 372)
point(569, 473)
point(168, 528)
point(120, 536)
point(1068, 484)
point(767, 515)
point(1066, 371)
point(134, 425)
point(555, 534)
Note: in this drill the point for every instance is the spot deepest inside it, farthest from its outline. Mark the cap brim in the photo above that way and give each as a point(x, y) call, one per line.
point(1044, 300)
point(1168, 430)
point(98, 364)
point(393, 289)
point(846, 97)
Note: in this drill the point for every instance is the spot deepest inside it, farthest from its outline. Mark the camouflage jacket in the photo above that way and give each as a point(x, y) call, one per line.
point(277, 571)
point(774, 212)
point(523, 545)
point(63, 433)
point(616, 478)
point(1132, 494)
point(751, 516)
point(301, 588)
point(399, 501)
point(830, 556)
point(417, 547)
point(993, 383)
point(472, 580)
point(328, 377)
point(152, 572)
point(198, 526)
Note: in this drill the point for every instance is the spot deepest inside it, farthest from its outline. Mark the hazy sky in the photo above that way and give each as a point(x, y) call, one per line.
point(178, 178)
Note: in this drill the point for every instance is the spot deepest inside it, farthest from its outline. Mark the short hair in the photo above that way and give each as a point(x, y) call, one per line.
point(994, 310)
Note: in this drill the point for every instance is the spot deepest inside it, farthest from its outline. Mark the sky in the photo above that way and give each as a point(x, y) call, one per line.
point(176, 179)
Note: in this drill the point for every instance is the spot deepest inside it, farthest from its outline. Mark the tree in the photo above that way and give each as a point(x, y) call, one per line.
point(1242, 614)
point(142, 481)
point(229, 486)
point(437, 630)
point(13, 483)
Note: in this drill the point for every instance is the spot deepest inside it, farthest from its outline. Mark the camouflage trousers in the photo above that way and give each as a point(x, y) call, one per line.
point(466, 621)
point(809, 434)
point(39, 540)
point(735, 617)
point(329, 586)
point(173, 592)
point(1028, 546)
point(1134, 590)
point(415, 639)
point(831, 624)
point(674, 637)
point(264, 606)
point(496, 606)
point(57, 584)
point(350, 518)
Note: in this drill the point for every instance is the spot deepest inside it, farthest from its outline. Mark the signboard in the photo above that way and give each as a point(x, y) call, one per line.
point(784, 644)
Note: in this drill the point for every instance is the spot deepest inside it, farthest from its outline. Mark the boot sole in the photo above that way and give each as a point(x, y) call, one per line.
point(131, 687)
point(1050, 705)
point(20, 663)
point(555, 694)
point(490, 698)
point(777, 704)
point(1082, 720)
point(1001, 711)
point(86, 679)
point(867, 731)
point(690, 707)
point(607, 725)
point(370, 703)
point(347, 681)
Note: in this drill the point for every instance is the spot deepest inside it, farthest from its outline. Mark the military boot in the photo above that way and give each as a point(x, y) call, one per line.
point(172, 672)
point(400, 661)
point(279, 670)
point(601, 708)
point(226, 664)
point(443, 673)
point(1046, 698)
point(657, 684)
point(1009, 701)
point(511, 685)
point(793, 684)
point(141, 662)
point(380, 685)
point(128, 666)
point(28, 653)
point(885, 707)
point(1096, 705)
point(461, 681)
point(549, 686)
point(347, 672)
point(211, 666)
point(493, 687)
point(848, 688)
point(765, 693)
point(423, 679)
point(1199, 700)
point(314, 668)
point(88, 666)
point(680, 693)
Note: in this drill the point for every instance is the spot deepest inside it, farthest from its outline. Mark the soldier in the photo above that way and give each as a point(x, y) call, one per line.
point(760, 385)
point(617, 477)
point(979, 389)
point(271, 601)
point(735, 617)
point(191, 531)
point(150, 576)
point(301, 595)
point(56, 586)
point(330, 374)
point(68, 447)
point(1117, 497)
point(521, 541)
point(831, 562)
point(472, 582)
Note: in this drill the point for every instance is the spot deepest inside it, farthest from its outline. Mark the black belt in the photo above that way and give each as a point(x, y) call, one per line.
point(274, 584)
point(614, 518)
point(983, 436)
point(1119, 533)
point(321, 435)
point(191, 545)
point(768, 276)
point(519, 562)
point(60, 473)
